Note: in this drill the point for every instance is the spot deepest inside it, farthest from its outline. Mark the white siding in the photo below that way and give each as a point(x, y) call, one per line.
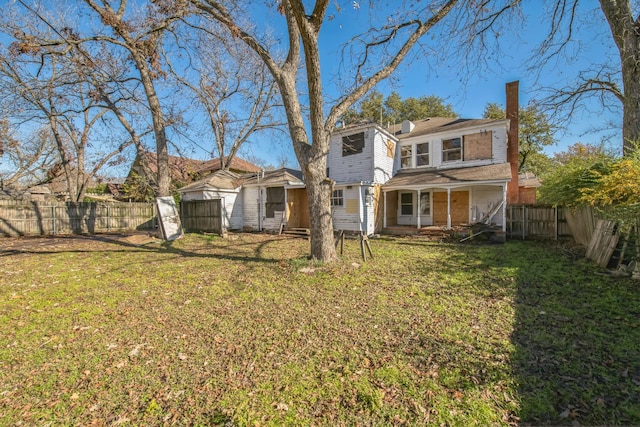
point(482, 200)
point(382, 163)
point(353, 215)
point(254, 214)
point(250, 207)
point(355, 167)
point(498, 149)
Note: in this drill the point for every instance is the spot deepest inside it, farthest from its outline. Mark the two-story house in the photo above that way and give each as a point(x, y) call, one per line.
point(434, 172)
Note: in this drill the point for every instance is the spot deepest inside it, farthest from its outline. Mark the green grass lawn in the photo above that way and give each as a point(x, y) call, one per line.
point(245, 331)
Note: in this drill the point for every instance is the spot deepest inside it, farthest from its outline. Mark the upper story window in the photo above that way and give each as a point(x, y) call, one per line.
point(337, 198)
point(406, 156)
point(415, 155)
point(352, 144)
point(451, 149)
point(422, 154)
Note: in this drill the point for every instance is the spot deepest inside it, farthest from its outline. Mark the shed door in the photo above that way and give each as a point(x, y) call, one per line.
point(459, 208)
point(298, 208)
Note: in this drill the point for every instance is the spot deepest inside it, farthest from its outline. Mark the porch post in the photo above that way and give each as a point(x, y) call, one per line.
point(286, 207)
point(449, 208)
point(504, 207)
point(419, 210)
point(384, 210)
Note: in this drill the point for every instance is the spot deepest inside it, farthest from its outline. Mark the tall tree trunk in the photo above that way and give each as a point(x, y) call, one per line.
point(159, 128)
point(626, 34)
point(631, 101)
point(319, 193)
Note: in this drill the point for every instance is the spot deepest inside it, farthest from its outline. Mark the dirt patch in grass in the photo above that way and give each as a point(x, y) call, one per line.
point(247, 331)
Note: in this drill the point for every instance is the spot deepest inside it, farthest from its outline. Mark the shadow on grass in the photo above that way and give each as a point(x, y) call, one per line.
point(576, 338)
point(234, 251)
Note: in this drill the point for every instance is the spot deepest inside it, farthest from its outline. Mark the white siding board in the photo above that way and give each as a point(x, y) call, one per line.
point(482, 199)
point(250, 207)
point(355, 167)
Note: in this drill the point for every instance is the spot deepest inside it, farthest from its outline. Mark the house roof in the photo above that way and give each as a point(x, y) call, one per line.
point(221, 179)
point(441, 124)
point(283, 176)
point(182, 169)
point(528, 180)
point(446, 177)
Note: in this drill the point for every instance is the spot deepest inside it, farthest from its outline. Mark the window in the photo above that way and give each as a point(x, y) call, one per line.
point(275, 201)
point(425, 204)
point(406, 203)
point(422, 154)
point(477, 146)
point(405, 156)
point(451, 149)
point(352, 144)
point(337, 198)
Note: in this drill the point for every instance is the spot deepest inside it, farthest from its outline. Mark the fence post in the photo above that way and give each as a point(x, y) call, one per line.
point(108, 227)
point(524, 221)
point(555, 211)
point(53, 216)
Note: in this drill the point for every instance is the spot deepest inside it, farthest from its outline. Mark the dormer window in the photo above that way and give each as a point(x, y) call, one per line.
point(451, 149)
point(352, 144)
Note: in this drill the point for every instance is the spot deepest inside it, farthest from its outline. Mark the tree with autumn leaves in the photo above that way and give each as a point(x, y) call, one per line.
point(591, 175)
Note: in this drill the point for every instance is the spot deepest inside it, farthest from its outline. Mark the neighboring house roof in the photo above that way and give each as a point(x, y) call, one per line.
point(183, 170)
point(283, 176)
point(40, 189)
point(528, 180)
point(441, 124)
point(221, 179)
point(497, 172)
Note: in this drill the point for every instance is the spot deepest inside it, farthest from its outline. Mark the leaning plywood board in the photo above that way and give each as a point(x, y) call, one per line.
point(169, 218)
point(603, 242)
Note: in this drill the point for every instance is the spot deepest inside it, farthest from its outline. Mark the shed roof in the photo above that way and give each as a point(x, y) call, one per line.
point(282, 176)
point(443, 177)
point(220, 179)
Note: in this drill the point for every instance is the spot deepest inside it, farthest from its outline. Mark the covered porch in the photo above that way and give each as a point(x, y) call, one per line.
point(444, 199)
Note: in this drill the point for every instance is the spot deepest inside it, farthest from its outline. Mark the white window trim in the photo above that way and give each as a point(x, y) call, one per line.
point(430, 194)
point(413, 158)
point(400, 204)
point(410, 157)
point(461, 149)
point(337, 198)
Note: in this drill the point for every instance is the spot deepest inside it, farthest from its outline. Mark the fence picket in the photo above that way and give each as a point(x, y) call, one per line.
point(18, 218)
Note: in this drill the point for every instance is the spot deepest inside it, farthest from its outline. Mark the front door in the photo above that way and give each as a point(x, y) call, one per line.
point(459, 208)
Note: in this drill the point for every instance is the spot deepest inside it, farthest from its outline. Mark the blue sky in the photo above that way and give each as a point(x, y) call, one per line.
point(469, 93)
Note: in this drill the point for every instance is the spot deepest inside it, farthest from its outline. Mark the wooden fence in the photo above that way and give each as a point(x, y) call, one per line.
point(18, 218)
point(202, 216)
point(537, 222)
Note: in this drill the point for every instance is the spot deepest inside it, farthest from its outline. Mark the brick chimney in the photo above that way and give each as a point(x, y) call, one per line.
point(513, 196)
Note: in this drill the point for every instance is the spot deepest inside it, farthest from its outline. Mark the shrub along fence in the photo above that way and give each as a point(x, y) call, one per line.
point(19, 218)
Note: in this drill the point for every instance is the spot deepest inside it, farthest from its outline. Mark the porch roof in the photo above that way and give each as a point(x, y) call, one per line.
point(422, 178)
